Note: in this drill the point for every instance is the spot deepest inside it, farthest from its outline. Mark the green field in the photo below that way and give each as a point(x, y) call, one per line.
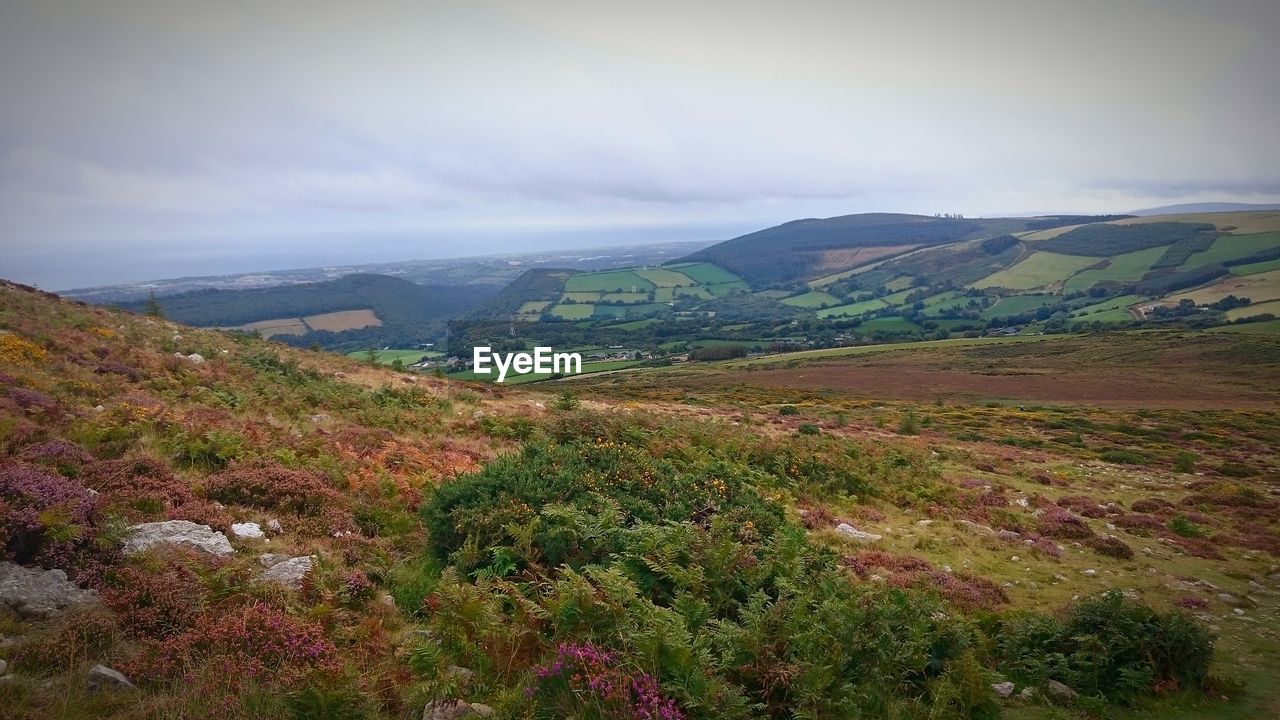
point(626, 298)
point(852, 309)
point(581, 311)
point(386, 357)
point(1016, 305)
point(1114, 309)
point(610, 312)
point(944, 301)
point(1272, 306)
point(581, 297)
point(534, 307)
point(1122, 268)
point(664, 294)
point(1037, 271)
point(610, 281)
point(1230, 247)
point(1258, 267)
point(888, 324)
point(722, 289)
point(664, 277)
point(636, 324)
point(814, 299)
point(706, 273)
point(699, 291)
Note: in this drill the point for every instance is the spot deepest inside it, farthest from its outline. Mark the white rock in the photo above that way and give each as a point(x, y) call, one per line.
point(274, 526)
point(247, 530)
point(177, 532)
point(850, 531)
point(290, 572)
point(267, 560)
point(196, 358)
point(1058, 691)
point(102, 677)
point(1004, 689)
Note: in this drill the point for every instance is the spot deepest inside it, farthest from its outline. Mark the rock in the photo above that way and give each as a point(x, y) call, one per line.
point(196, 358)
point(975, 527)
point(1233, 601)
point(275, 527)
point(177, 532)
point(247, 530)
point(447, 710)
point(3, 666)
point(319, 418)
point(481, 709)
point(1089, 573)
point(460, 672)
point(289, 572)
point(850, 531)
point(103, 678)
point(268, 560)
point(1004, 689)
point(1060, 692)
point(1027, 693)
point(1008, 535)
point(36, 594)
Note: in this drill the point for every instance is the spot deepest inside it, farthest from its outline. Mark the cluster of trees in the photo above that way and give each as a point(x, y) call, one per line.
point(1108, 240)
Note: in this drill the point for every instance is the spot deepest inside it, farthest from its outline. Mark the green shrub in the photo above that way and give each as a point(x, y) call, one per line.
point(909, 425)
point(808, 429)
point(1185, 461)
point(1124, 457)
point(1105, 645)
point(1185, 528)
point(788, 410)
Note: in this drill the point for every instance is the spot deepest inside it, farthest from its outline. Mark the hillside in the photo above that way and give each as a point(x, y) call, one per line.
point(1052, 274)
point(354, 312)
point(811, 248)
point(420, 546)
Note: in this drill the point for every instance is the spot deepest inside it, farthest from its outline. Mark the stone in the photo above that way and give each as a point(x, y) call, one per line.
point(1232, 601)
point(975, 527)
point(275, 527)
point(1089, 573)
point(3, 666)
point(1008, 535)
point(447, 710)
point(850, 531)
point(250, 530)
point(37, 594)
point(177, 532)
point(460, 672)
point(1027, 693)
point(103, 678)
point(1004, 689)
point(196, 358)
point(481, 709)
point(289, 572)
point(1060, 692)
point(268, 560)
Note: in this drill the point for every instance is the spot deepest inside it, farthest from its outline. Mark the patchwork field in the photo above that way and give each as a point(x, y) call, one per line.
point(334, 322)
point(1038, 270)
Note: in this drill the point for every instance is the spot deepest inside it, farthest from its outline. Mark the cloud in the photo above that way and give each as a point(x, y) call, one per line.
point(176, 120)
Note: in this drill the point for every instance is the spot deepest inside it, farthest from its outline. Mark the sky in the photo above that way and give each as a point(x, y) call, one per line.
point(142, 140)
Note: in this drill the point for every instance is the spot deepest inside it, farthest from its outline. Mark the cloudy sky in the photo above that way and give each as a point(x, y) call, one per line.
point(143, 140)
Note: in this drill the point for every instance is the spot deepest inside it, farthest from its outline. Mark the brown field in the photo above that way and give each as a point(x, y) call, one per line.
point(1260, 288)
point(334, 322)
point(1191, 371)
point(834, 261)
point(268, 328)
point(344, 320)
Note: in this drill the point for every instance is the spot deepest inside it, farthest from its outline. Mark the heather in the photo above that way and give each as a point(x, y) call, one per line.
point(605, 555)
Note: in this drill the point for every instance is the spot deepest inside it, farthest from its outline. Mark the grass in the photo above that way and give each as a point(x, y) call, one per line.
point(1041, 269)
point(1230, 247)
point(608, 281)
point(706, 273)
point(581, 311)
point(853, 309)
point(1122, 268)
point(813, 299)
point(1016, 305)
point(1114, 309)
point(1259, 287)
point(406, 356)
point(664, 277)
point(1269, 327)
point(1258, 267)
point(627, 298)
point(534, 307)
point(513, 379)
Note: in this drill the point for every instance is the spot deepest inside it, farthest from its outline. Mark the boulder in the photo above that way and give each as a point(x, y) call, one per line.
point(102, 678)
point(1060, 692)
point(250, 530)
point(1004, 689)
point(275, 527)
point(850, 531)
point(481, 709)
point(290, 572)
point(177, 532)
point(1008, 535)
point(36, 594)
point(975, 527)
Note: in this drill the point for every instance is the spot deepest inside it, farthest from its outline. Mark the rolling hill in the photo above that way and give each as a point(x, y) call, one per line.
point(353, 312)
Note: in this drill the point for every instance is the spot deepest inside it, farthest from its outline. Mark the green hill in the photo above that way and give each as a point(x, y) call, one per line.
point(399, 313)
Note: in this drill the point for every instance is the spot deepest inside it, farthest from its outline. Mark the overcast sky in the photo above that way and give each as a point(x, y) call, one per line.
point(145, 140)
